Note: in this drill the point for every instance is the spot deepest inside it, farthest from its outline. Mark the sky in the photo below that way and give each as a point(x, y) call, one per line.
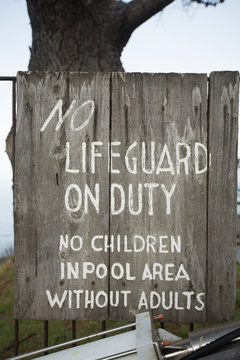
point(185, 39)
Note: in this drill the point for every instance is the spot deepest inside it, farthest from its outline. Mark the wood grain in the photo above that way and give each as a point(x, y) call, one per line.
point(222, 199)
point(40, 186)
point(165, 109)
point(126, 140)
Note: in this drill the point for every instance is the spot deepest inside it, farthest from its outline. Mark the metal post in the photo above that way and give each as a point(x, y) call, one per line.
point(16, 339)
point(73, 331)
point(13, 79)
point(191, 327)
point(14, 99)
point(104, 327)
point(45, 324)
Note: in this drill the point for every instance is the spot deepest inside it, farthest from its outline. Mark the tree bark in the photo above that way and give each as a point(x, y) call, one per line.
point(73, 36)
point(84, 35)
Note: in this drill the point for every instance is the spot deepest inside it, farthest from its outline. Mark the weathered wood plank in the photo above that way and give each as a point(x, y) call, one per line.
point(42, 179)
point(116, 210)
point(222, 190)
point(166, 110)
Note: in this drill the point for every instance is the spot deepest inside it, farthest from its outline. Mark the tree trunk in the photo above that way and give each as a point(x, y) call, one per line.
point(84, 35)
point(76, 35)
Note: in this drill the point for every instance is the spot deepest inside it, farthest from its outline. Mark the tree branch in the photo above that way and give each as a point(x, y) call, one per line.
point(208, 3)
point(138, 11)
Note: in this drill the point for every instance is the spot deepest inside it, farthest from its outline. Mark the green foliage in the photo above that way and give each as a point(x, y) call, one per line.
point(8, 252)
point(237, 314)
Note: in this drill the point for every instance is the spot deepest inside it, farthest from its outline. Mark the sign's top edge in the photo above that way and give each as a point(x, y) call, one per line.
point(119, 72)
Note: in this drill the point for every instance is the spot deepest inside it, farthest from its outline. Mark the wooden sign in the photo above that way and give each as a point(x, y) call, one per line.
point(125, 195)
